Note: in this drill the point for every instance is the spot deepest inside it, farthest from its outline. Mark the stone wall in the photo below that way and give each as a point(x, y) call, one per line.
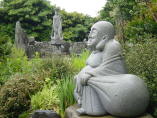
point(77, 47)
point(46, 49)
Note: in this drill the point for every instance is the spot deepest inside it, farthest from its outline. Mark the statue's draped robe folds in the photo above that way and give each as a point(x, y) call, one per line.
point(57, 27)
point(110, 89)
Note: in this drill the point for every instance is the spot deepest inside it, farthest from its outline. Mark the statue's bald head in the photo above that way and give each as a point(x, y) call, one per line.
point(104, 28)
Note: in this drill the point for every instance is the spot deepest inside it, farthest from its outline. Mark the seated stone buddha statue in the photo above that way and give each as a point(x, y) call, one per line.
point(103, 85)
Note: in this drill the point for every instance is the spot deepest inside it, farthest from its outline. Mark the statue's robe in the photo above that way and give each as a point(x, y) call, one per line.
point(111, 89)
point(57, 27)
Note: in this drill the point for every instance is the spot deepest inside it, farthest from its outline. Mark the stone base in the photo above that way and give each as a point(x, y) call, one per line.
point(57, 42)
point(70, 112)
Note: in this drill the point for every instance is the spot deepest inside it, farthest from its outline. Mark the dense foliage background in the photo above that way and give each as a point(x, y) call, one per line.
point(36, 18)
point(135, 20)
point(30, 84)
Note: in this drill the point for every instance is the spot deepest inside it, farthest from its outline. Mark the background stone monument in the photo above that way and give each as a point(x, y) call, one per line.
point(56, 35)
point(21, 39)
point(57, 46)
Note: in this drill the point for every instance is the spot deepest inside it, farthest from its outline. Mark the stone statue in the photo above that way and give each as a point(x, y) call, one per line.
point(103, 85)
point(57, 27)
point(21, 39)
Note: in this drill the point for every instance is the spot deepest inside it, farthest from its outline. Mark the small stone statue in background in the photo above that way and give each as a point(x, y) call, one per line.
point(57, 27)
point(103, 85)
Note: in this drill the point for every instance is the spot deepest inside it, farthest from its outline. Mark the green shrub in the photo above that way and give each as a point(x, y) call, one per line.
point(141, 59)
point(47, 98)
point(18, 63)
point(25, 77)
point(138, 29)
point(58, 66)
point(5, 47)
point(15, 95)
point(56, 95)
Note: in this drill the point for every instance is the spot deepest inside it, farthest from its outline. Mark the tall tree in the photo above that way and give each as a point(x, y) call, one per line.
point(134, 19)
point(76, 26)
point(35, 16)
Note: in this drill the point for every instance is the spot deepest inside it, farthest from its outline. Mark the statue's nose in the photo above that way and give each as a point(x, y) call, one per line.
point(89, 37)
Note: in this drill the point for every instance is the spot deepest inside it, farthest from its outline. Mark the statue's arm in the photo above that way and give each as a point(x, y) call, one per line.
point(85, 77)
point(100, 70)
point(114, 51)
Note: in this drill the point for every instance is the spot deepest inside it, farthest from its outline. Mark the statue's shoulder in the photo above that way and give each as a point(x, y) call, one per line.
point(113, 47)
point(55, 16)
point(113, 43)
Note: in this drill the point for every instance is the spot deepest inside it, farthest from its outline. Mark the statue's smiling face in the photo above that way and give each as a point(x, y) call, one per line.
point(93, 38)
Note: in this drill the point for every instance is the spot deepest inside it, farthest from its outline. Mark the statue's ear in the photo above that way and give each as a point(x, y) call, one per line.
point(101, 44)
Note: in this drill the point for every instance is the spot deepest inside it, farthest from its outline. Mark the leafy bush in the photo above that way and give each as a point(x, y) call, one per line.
point(18, 63)
point(15, 95)
point(5, 44)
point(23, 76)
point(141, 59)
point(47, 98)
point(58, 67)
point(56, 95)
point(138, 29)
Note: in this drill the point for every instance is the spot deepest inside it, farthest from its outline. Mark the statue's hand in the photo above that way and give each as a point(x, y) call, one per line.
point(84, 79)
point(75, 77)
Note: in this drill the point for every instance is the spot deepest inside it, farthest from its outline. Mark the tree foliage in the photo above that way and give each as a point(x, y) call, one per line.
point(36, 19)
point(134, 19)
point(75, 25)
point(5, 43)
point(35, 16)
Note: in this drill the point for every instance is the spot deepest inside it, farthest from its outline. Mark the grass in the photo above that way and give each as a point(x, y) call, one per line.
point(78, 62)
point(65, 93)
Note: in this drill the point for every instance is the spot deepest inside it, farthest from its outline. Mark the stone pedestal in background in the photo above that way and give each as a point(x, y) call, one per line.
point(71, 113)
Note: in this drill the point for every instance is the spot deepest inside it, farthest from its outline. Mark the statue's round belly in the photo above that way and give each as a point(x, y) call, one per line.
point(124, 95)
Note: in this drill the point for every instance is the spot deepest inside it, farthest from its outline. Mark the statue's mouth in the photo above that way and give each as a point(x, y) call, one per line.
point(88, 43)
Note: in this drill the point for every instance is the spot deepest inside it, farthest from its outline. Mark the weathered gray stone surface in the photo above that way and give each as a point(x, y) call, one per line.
point(46, 49)
point(45, 114)
point(71, 113)
point(103, 85)
point(56, 34)
point(21, 39)
point(77, 47)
